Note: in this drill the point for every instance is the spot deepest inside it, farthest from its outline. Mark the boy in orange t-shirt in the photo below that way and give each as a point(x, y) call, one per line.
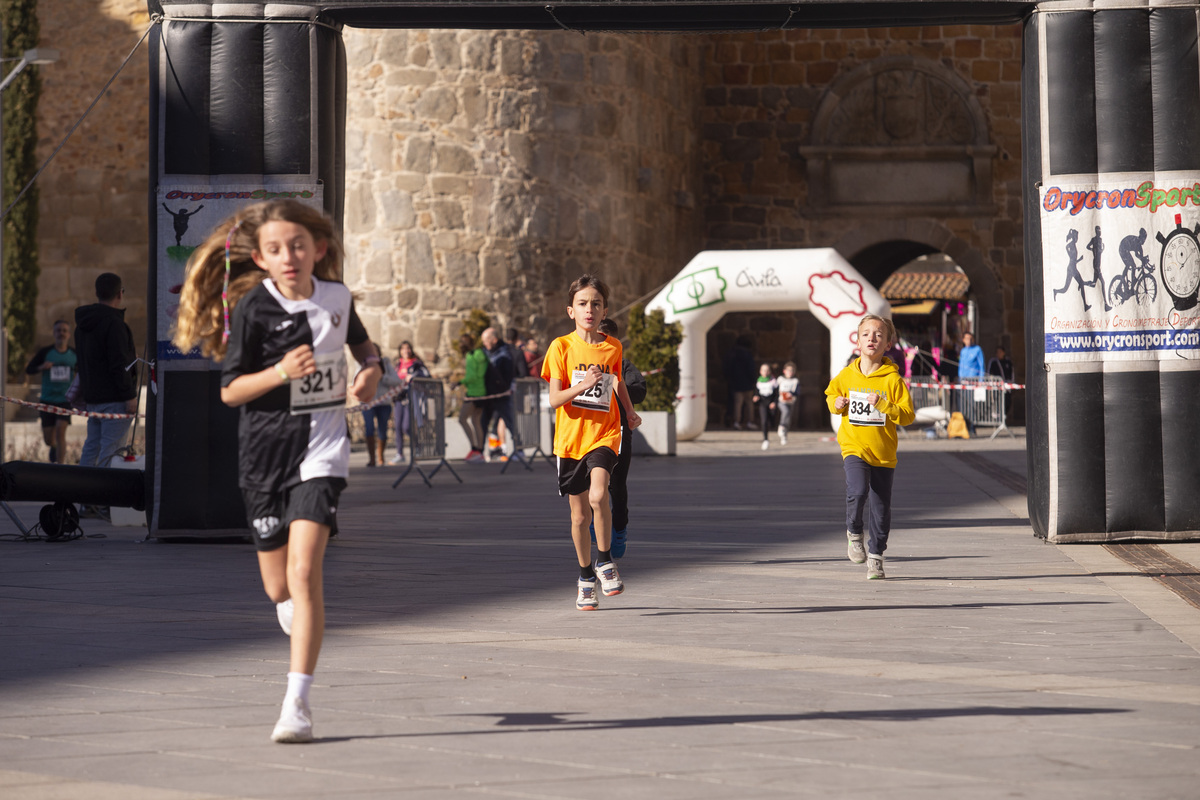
point(583, 369)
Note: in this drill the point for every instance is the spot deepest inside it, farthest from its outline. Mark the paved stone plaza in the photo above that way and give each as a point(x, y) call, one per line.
point(747, 658)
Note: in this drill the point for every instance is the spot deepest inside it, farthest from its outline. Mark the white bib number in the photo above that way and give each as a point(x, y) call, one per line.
point(325, 388)
point(60, 373)
point(597, 398)
point(863, 413)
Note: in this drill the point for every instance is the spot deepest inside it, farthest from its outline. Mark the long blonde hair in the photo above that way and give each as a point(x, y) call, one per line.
point(201, 317)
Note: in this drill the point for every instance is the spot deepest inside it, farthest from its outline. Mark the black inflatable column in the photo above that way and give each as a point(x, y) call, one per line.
point(1112, 158)
point(243, 108)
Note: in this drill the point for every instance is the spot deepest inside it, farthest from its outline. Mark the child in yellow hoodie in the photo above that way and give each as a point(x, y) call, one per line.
point(872, 399)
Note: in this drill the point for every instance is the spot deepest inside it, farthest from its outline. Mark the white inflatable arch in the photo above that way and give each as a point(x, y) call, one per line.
point(719, 282)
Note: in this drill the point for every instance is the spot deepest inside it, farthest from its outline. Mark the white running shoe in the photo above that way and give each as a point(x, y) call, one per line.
point(295, 723)
point(586, 600)
point(285, 611)
point(396, 459)
point(854, 548)
point(610, 579)
point(875, 568)
point(766, 444)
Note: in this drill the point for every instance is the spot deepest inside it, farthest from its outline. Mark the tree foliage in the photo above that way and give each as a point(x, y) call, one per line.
point(475, 324)
point(654, 345)
point(20, 251)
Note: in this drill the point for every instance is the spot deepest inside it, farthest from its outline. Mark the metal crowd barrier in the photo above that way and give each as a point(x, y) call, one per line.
point(427, 428)
point(931, 402)
point(527, 408)
point(981, 400)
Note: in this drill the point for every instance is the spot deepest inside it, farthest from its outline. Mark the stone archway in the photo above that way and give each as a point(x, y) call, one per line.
point(863, 249)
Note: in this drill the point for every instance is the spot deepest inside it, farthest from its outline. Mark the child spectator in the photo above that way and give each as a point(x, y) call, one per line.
point(582, 369)
point(789, 388)
point(408, 366)
point(765, 394)
point(872, 399)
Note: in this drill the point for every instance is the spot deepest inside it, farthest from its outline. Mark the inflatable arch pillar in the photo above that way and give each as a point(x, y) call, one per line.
point(244, 106)
point(1111, 107)
point(248, 98)
point(716, 283)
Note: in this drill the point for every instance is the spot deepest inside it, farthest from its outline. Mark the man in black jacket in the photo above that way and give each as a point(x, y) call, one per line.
point(499, 379)
point(104, 345)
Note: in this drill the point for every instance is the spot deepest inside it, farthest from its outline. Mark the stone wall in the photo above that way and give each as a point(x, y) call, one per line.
point(762, 95)
point(489, 169)
point(92, 199)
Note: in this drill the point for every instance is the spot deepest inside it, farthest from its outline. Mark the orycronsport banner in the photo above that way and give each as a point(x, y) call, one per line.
point(187, 213)
point(1121, 262)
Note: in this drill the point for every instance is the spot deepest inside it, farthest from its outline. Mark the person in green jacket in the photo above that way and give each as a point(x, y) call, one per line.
point(476, 361)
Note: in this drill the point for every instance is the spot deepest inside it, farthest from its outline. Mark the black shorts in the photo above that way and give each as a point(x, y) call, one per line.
point(575, 476)
point(49, 418)
point(271, 513)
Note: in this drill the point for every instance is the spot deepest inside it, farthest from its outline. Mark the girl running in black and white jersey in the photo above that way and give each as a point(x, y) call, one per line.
point(262, 295)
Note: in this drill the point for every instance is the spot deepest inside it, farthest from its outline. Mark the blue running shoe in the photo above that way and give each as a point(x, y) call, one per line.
point(618, 543)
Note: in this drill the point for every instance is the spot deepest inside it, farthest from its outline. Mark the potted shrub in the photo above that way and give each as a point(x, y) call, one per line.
point(654, 349)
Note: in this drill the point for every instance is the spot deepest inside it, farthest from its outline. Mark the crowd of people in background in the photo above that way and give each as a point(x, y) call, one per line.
point(761, 395)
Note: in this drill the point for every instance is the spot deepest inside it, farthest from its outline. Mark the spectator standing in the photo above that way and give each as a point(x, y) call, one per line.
point(377, 416)
point(970, 365)
point(499, 381)
point(533, 358)
point(516, 351)
point(1001, 366)
point(475, 361)
point(104, 346)
point(923, 365)
point(970, 360)
point(56, 364)
point(740, 376)
point(408, 366)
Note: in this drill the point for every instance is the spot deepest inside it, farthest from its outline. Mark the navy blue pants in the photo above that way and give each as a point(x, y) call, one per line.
point(865, 482)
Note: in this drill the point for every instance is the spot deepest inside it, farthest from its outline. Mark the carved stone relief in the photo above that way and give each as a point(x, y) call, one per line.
point(899, 136)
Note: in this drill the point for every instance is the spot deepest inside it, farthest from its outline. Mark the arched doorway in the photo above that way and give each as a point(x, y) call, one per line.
point(880, 250)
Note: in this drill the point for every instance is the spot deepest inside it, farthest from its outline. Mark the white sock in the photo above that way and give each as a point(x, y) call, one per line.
point(298, 685)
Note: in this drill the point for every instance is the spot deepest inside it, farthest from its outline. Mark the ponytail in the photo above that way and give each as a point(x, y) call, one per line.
point(226, 255)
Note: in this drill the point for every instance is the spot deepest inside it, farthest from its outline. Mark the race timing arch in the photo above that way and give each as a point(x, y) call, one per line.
point(248, 101)
point(720, 282)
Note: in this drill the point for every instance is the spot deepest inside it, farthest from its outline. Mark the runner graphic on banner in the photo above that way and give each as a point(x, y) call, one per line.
point(1148, 308)
point(186, 213)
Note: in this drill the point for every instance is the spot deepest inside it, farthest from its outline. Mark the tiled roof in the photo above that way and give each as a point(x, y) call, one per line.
point(926, 286)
